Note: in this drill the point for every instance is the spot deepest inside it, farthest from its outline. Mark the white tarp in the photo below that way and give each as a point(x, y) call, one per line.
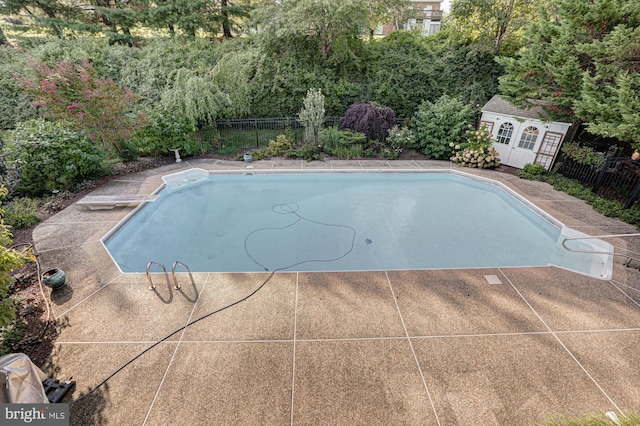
point(22, 380)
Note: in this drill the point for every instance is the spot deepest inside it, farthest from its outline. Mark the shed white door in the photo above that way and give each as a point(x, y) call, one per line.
point(504, 137)
point(517, 143)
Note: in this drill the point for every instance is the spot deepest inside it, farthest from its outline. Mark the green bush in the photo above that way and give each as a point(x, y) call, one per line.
point(345, 144)
point(20, 213)
point(574, 188)
point(227, 150)
point(330, 138)
point(307, 151)
point(349, 152)
point(15, 104)
point(399, 139)
point(532, 171)
point(11, 334)
point(583, 154)
point(350, 137)
point(48, 156)
point(280, 147)
point(10, 260)
point(257, 154)
point(165, 131)
point(438, 124)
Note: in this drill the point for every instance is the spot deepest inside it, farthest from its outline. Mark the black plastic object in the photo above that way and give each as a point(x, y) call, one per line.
point(56, 390)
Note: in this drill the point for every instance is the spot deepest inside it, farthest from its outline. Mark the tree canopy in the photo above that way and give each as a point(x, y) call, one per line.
point(494, 25)
point(330, 27)
point(582, 57)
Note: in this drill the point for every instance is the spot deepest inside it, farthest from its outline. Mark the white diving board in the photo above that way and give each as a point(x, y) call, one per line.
point(103, 202)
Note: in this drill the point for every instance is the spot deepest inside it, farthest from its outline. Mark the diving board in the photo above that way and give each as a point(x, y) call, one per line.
point(103, 202)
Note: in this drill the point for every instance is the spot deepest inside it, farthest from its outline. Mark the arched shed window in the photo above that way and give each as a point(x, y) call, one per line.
point(528, 138)
point(504, 133)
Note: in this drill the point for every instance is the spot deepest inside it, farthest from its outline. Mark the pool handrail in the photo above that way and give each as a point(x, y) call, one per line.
point(152, 286)
point(176, 285)
point(613, 253)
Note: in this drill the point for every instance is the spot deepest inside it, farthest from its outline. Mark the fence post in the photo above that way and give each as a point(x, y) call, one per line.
point(633, 198)
point(600, 177)
point(255, 122)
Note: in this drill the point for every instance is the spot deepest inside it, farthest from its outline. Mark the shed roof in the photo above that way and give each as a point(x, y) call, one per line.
point(501, 106)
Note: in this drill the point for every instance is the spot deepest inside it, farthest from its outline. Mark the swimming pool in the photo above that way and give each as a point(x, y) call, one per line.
point(261, 221)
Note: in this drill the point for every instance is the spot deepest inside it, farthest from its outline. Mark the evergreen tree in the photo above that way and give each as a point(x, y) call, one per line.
point(192, 16)
point(583, 58)
point(52, 15)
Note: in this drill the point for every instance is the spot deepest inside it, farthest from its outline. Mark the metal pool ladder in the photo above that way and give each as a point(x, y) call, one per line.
point(629, 258)
point(176, 285)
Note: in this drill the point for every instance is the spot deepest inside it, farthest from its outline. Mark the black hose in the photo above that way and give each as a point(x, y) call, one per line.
point(122, 367)
point(287, 208)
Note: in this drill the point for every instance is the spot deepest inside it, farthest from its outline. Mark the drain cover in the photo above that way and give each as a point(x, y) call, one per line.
point(492, 279)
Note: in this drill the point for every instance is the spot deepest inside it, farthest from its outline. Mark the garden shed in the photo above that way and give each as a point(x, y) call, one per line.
point(524, 136)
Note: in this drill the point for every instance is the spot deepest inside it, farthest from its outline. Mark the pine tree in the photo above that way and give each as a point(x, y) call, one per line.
point(584, 58)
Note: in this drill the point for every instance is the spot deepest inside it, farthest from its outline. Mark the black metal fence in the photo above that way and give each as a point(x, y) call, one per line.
point(617, 179)
point(584, 173)
point(257, 132)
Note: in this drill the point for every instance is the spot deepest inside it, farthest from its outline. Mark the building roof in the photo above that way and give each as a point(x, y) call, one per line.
point(501, 106)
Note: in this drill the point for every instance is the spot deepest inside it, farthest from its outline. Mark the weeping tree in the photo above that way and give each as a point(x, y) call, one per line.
point(372, 119)
point(234, 74)
point(312, 115)
point(196, 98)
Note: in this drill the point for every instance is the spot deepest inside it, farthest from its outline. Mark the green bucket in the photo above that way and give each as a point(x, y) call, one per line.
point(54, 278)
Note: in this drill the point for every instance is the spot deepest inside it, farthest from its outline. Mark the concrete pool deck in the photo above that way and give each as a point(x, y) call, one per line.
point(387, 347)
